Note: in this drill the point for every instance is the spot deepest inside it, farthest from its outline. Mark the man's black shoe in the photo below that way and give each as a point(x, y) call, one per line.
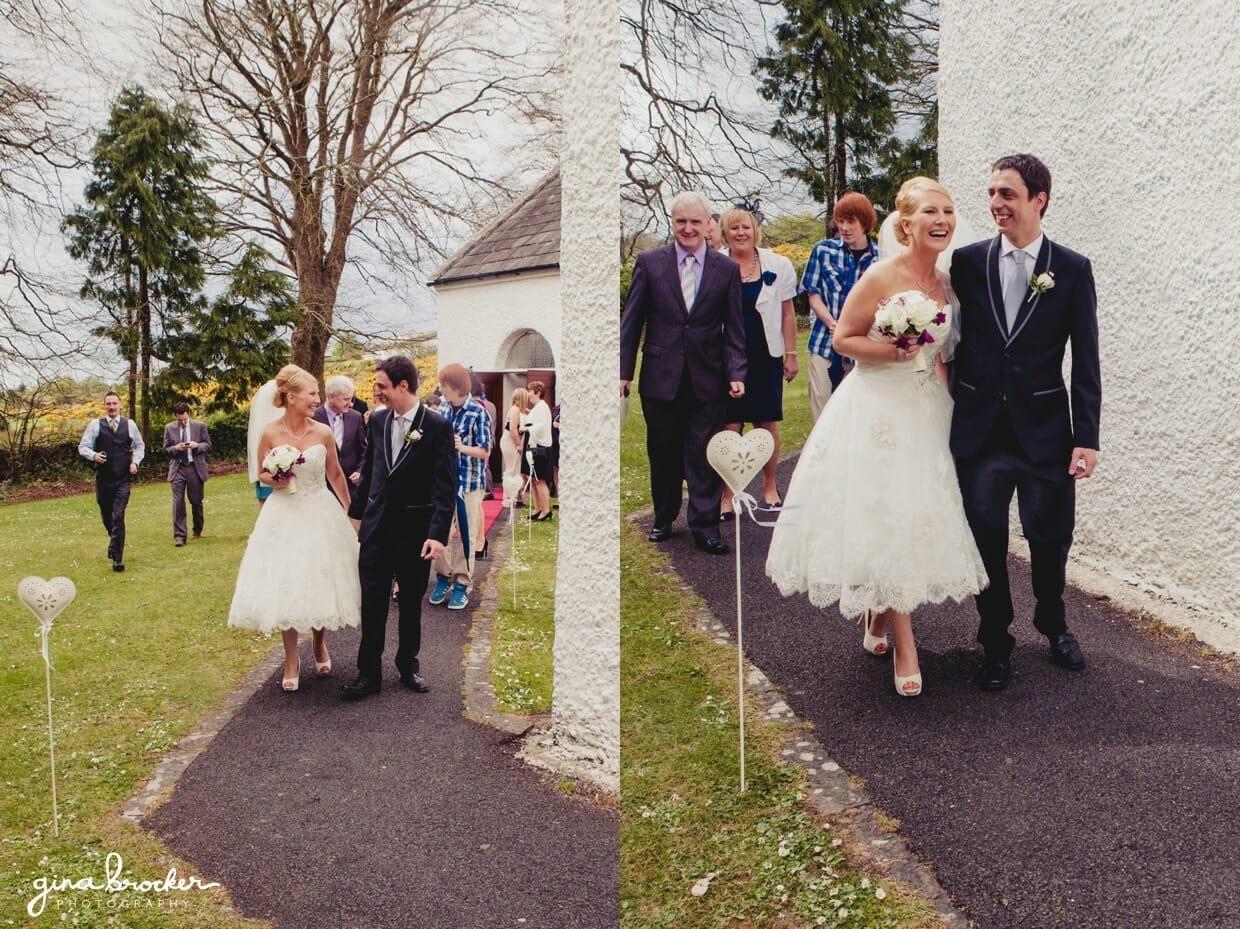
point(415, 682)
point(118, 566)
point(362, 687)
point(660, 533)
point(712, 545)
point(1066, 651)
point(995, 673)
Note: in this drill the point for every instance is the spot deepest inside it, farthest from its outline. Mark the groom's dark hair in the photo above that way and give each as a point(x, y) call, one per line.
point(1037, 176)
point(398, 368)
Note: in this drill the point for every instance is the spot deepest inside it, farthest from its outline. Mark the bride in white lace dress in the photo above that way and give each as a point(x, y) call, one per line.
point(874, 514)
point(299, 570)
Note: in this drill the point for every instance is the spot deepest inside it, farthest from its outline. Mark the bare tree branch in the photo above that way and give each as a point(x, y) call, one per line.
point(355, 121)
point(38, 142)
point(683, 67)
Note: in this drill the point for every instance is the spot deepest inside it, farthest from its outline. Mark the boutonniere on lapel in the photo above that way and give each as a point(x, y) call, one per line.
point(768, 278)
point(1040, 284)
point(413, 435)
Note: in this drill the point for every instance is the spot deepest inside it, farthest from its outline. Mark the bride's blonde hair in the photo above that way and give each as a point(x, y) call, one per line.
point(911, 192)
point(291, 380)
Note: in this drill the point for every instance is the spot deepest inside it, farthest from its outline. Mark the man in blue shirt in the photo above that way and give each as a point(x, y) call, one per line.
point(471, 428)
point(114, 446)
point(833, 268)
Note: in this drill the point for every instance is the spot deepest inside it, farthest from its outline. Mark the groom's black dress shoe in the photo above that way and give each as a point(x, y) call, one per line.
point(660, 533)
point(412, 680)
point(415, 682)
point(1066, 651)
point(362, 687)
point(995, 673)
point(712, 545)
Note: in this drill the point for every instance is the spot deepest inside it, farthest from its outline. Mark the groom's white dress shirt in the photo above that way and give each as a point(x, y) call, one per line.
point(1007, 264)
point(400, 428)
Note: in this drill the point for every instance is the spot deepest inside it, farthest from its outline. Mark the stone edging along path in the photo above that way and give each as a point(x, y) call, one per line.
point(832, 793)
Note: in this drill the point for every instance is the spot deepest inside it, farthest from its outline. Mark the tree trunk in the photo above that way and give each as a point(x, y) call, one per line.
point(130, 325)
point(828, 187)
point(317, 298)
point(840, 161)
point(144, 347)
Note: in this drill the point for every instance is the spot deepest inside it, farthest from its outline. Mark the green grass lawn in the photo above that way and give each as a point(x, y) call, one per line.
point(521, 656)
point(138, 658)
point(683, 818)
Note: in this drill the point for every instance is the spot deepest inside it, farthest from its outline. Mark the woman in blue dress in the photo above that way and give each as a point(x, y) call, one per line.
point(768, 284)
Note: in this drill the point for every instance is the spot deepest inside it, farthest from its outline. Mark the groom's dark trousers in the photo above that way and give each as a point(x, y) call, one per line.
point(1046, 499)
point(1016, 422)
point(393, 551)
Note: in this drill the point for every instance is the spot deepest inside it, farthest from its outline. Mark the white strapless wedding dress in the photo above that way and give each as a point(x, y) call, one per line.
point(873, 517)
point(299, 570)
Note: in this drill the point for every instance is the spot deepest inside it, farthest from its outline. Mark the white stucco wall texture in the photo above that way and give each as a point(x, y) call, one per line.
point(1135, 107)
point(477, 319)
point(586, 702)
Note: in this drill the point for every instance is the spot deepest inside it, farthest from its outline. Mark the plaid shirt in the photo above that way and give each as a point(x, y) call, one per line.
point(831, 273)
point(472, 424)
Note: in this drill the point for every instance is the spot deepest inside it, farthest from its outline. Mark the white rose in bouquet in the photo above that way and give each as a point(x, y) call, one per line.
point(280, 463)
point(906, 317)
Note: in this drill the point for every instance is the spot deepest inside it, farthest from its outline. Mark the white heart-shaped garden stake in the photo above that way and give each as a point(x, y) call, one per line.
point(513, 485)
point(45, 600)
point(738, 457)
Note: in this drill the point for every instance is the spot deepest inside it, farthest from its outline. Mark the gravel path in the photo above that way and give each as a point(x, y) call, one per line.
point(395, 811)
point(1105, 799)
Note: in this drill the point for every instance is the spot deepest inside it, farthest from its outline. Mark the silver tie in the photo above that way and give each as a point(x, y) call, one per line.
point(399, 430)
point(688, 281)
point(1016, 290)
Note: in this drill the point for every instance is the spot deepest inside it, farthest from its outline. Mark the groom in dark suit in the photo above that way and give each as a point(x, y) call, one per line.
point(404, 503)
point(1017, 428)
point(687, 298)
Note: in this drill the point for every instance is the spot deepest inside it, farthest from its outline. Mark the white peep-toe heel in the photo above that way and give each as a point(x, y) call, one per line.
point(874, 644)
point(290, 684)
point(909, 686)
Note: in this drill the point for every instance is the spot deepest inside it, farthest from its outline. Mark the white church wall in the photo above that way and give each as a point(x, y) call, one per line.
point(478, 319)
point(1134, 108)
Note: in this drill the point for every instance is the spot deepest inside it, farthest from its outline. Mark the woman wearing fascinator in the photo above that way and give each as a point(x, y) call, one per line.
point(768, 284)
point(891, 534)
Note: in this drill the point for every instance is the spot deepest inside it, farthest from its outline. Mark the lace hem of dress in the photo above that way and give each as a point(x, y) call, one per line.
point(854, 600)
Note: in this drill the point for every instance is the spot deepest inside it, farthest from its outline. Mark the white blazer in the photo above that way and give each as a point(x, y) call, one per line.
point(770, 304)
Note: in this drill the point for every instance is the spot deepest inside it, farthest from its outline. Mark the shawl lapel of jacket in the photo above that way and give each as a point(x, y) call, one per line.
point(994, 287)
point(407, 448)
point(385, 426)
point(1042, 265)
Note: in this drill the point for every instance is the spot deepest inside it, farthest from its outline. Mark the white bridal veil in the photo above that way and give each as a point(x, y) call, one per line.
point(262, 412)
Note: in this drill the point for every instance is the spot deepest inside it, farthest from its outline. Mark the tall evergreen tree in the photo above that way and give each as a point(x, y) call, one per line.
point(142, 230)
point(900, 159)
point(233, 344)
point(830, 74)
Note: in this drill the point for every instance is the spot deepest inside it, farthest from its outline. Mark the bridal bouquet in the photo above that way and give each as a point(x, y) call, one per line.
point(280, 461)
point(906, 317)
